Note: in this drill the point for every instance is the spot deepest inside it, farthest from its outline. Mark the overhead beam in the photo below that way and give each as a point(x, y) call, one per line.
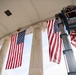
point(27, 27)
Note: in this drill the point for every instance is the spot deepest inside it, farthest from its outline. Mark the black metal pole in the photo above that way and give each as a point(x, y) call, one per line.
point(68, 50)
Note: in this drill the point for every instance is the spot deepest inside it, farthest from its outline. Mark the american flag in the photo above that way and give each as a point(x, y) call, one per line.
point(14, 59)
point(55, 42)
point(73, 37)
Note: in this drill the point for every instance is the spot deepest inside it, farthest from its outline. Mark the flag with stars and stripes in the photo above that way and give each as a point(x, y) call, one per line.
point(55, 42)
point(14, 59)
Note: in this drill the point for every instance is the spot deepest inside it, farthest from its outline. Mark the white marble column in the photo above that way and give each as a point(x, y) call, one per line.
point(36, 60)
point(3, 53)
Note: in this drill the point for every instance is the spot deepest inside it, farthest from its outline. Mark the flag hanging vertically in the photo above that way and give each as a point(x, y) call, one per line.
point(55, 42)
point(73, 37)
point(14, 59)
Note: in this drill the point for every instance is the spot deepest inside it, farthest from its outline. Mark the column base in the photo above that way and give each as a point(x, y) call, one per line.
point(72, 73)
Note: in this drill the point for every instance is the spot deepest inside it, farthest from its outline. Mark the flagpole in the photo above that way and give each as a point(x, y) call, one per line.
point(68, 50)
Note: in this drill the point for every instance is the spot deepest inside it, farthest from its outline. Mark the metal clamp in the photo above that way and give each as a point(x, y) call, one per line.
point(63, 35)
point(66, 50)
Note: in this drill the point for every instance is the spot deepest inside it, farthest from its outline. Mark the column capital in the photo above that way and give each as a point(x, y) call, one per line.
point(39, 25)
point(4, 39)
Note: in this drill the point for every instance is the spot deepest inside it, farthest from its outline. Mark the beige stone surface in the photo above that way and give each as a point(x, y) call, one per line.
point(3, 54)
point(36, 59)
